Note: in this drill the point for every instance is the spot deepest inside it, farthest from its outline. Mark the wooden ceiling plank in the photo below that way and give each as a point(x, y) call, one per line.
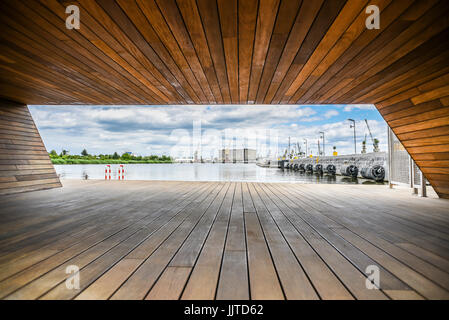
point(420, 116)
point(134, 24)
point(32, 74)
point(160, 26)
point(426, 141)
point(411, 109)
point(423, 73)
point(50, 61)
point(209, 16)
point(431, 95)
point(403, 75)
point(122, 50)
point(445, 101)
point(346, 40)
point(427, 124)
point(395, 107)
point(433, 156)
point(194, 25)
point(430, 24)
point(352, 10)
point(79, 43)
point(227, 11)
point(32, 70)
point(265, 23)
point(247, 18)
point(143, 51)
point(289, 11)
point(133, 11)
point(20, 22)
point(417, 11)
point(419, 63)
point(398, 98)
point(429, 149)
point(324, 19)
point(367, 42)
point(174, 20)
point(26, 89)
point(303, 22)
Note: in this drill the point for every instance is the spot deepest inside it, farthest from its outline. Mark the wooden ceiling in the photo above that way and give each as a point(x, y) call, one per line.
point(240, 52)
point(218, 52)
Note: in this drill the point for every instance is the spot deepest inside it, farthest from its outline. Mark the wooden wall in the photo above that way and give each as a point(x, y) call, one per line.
point(24, 161)
point(420, 119)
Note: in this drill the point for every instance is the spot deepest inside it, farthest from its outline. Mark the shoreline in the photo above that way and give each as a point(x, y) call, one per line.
point(104, 162)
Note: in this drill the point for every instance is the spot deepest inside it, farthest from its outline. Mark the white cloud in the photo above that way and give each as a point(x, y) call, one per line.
point(350, 107)
point(331, 113)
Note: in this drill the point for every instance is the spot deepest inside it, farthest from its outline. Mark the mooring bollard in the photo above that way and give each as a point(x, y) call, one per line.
point(108, 166)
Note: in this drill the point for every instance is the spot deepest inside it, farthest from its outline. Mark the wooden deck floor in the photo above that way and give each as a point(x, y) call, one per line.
point(184, 240)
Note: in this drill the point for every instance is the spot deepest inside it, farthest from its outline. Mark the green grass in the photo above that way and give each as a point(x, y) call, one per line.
point(105, 161)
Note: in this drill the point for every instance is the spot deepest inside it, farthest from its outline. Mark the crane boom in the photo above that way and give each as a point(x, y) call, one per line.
point(369, 130)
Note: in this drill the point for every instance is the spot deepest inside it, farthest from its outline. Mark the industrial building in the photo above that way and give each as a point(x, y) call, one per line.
point(237, 155)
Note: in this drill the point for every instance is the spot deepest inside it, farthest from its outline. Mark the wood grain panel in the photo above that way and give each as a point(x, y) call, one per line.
point(17, 151)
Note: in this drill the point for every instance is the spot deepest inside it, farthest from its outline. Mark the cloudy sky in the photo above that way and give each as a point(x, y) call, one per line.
point(180, 130)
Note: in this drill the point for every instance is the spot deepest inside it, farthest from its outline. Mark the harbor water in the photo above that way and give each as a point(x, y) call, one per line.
point(200, 172)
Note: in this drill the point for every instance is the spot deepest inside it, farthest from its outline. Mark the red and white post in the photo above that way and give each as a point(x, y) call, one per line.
point(121, 170)
point(106, 171)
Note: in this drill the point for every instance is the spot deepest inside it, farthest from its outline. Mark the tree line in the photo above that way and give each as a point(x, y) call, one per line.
point(64, 157)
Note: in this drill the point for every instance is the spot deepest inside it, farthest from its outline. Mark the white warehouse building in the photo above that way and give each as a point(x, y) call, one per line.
point(237, 155)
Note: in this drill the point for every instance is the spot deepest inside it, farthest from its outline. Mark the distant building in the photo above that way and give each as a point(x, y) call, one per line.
point(237, 155)
point(183, 160)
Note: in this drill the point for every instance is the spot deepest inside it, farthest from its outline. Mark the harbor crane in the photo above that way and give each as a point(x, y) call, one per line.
point(299, 149)
point(374, 141)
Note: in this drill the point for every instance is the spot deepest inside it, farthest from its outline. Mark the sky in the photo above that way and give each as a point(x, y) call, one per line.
point(179, 131)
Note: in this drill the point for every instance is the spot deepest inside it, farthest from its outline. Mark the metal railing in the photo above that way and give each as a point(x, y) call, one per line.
point(402, 169)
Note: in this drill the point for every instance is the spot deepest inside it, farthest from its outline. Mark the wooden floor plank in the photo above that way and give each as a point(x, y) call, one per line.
point(81, 253)
point(352, 278)
point(141, 281)
point(294, 281)
point(323, 226)
point(233, 282)
point(188, 253)
point(215, 240)
point(164, 225)
point(203, 281)
point(327, 285)
point(263, 279)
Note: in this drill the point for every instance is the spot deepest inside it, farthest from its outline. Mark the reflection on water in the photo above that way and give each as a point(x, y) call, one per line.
point(200, 172)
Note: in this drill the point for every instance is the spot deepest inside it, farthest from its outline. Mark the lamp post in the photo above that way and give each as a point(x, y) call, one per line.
point(353, 126)
point(324, 146)
point(307, 153)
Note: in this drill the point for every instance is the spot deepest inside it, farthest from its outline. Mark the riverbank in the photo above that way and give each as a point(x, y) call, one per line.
point(105, 161)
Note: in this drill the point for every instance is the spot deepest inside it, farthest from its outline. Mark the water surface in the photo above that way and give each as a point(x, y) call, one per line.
point(199, 172)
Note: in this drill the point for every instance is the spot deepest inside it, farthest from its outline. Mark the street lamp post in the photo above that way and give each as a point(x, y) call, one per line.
point(307, 153)
point(353, 126)
point(324, 146)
